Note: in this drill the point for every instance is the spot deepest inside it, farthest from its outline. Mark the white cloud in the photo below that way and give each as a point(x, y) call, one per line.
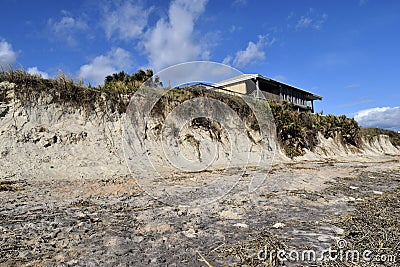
point(385, 117)
point(232, 28)
point(290, 16)
point(312, 20)
point(253, 53)
point(304, 22)
point(280, 78)
point(171, 41)
point(227, 60)
point(125, 20)
point(36, 71)
point(7, 55)
point(67, 23)
point(101, 66)
point(239, 3)
point(67, 28)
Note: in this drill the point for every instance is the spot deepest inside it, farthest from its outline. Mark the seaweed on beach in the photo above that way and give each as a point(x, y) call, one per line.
point(374, 224)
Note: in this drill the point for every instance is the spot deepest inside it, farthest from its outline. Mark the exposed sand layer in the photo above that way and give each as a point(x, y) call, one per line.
point(43, 140)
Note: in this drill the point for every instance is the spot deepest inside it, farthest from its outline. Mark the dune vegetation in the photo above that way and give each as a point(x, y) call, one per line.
point(296, 131)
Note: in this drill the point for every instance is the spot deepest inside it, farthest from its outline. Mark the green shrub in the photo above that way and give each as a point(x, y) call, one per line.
point(370, 133)
point(297, 131)
point(124, 82)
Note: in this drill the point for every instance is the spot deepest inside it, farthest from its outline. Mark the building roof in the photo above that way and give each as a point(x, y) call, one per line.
point(245, 77)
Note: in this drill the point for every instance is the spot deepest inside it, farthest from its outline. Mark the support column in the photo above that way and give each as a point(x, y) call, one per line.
point(258, 89)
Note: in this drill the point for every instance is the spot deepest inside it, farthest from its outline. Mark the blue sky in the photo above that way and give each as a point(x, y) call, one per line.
point(345, 50)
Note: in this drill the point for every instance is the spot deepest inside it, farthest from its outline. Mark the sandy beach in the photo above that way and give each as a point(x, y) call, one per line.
point(112, 222)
